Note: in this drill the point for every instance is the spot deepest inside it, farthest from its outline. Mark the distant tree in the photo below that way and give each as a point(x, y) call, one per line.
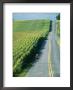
point(58, 17)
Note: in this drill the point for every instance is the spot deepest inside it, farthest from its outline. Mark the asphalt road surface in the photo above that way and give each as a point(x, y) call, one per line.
point(51, 51)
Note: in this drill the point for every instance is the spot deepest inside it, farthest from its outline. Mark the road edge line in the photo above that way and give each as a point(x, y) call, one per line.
point(50, 72)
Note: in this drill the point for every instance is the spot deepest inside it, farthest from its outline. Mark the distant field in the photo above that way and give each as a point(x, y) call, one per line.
point(27, 36)
point(30, 25)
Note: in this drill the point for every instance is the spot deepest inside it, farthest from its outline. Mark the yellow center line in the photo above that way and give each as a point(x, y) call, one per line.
point(50, 72)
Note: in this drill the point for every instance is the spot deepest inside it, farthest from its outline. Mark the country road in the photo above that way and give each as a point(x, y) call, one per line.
point(55, 51)
point(49, 60)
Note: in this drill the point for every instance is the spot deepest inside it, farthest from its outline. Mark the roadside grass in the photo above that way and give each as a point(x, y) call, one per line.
point(58, 32)
point(58, 41)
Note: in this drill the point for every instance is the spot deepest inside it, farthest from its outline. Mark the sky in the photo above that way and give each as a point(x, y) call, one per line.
point(33, 16)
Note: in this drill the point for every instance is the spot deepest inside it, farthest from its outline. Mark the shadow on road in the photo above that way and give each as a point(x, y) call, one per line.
point(33, 57)
point(35, 54)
